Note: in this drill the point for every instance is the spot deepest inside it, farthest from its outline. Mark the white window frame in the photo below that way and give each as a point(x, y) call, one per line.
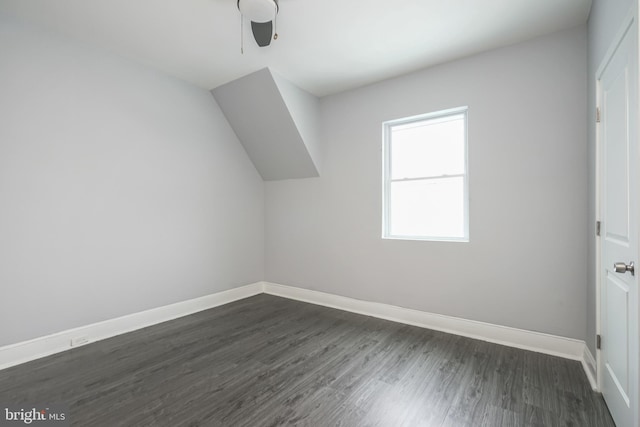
point(386, 174)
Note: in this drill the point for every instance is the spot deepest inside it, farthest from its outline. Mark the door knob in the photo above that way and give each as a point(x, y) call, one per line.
point(621, 267)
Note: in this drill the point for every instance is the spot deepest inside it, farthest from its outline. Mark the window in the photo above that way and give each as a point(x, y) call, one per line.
point(425, 184)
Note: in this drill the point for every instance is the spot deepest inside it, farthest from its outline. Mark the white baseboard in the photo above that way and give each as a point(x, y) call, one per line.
point(527, 340)
point(589, 366)
point(26, 351)
point(568, 348)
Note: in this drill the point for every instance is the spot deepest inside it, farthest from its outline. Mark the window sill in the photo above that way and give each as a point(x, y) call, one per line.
point(429, 239)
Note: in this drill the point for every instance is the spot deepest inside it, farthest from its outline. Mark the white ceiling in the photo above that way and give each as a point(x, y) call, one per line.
point(324, 46)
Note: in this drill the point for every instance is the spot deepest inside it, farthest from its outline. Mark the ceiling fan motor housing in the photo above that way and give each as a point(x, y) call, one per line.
point(258, 10)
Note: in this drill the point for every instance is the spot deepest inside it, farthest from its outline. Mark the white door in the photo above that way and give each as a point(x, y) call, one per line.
point(618, 140)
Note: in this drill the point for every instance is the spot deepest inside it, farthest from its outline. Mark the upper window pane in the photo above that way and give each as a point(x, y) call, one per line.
point(428, 148)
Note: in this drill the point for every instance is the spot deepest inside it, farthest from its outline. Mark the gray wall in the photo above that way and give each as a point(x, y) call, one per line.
point(604, 21)
point(525, 266)
point(121, 189)
point(304, 109)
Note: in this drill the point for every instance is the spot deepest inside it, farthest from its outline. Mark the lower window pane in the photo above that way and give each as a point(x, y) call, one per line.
point(427, 208)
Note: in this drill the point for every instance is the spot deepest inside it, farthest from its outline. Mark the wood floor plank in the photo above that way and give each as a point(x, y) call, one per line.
point(269, 361)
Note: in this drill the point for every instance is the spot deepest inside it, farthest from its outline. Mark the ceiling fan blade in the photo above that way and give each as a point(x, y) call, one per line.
point(262, 32)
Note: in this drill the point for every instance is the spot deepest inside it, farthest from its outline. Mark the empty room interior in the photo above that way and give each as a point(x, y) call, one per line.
point(319, 213)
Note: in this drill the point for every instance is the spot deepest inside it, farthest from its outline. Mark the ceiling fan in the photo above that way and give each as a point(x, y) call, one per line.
point(262, 14)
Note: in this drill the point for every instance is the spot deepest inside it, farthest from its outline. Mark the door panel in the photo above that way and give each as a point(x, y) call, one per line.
point(617, 362)
point(618, 139)
point(616, 156)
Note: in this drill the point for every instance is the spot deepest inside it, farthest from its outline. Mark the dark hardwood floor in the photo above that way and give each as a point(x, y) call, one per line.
point(267, 361)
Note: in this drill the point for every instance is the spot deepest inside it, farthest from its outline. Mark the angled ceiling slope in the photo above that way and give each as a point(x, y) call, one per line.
point(275, 121)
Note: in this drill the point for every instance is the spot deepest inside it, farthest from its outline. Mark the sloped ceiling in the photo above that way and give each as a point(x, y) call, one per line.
point(276, 123)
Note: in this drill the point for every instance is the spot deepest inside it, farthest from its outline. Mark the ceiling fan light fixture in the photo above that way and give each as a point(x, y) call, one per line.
point(258, 10)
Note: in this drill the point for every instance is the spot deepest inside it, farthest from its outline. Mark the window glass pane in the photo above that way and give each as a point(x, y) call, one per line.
point(432, 147)
point(428, 208)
